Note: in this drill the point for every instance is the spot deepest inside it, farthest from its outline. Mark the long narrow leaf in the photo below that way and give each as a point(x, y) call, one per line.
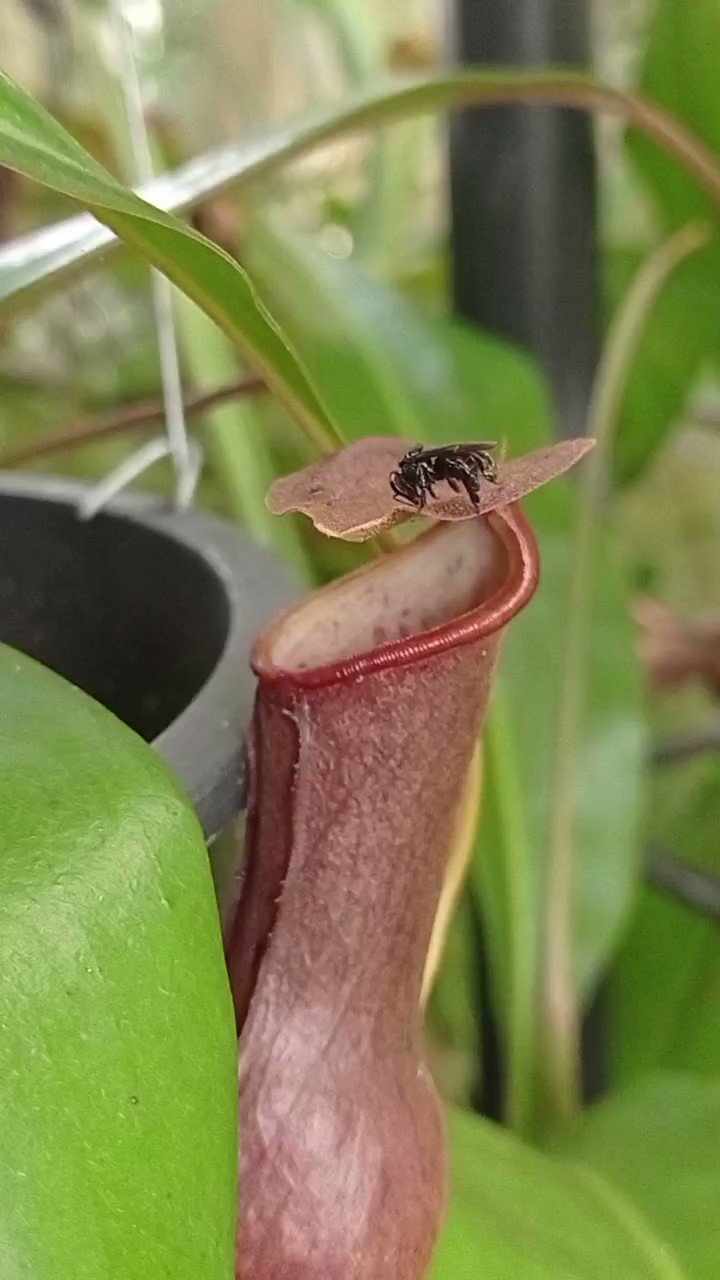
point(34, 144)
point(46, 256)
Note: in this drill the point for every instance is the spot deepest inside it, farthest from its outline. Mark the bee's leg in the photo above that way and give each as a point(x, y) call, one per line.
point(487, 468)
point(460, 474)
point(400, 493)
point(451, 470)
point(425, 482)
point(470, 484)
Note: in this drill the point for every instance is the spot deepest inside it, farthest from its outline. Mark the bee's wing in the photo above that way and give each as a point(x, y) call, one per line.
point(469, 447)
point(429, 454)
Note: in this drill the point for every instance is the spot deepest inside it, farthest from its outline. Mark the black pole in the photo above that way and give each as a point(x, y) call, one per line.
point(523, 197)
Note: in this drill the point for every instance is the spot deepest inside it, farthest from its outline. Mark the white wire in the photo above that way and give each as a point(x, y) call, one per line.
point(133, 466)
point(187, 460)
point(124, 474)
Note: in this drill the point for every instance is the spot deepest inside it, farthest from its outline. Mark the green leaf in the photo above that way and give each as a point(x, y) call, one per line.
point(118, 1088)
point(517, 1214)
point(658, 1144)
point(675, 558)
point(665, 982)
point(33, 143)
point(682, 334)
point(381, 365)
point(46, 257)
point(663, 992)
point(680, 72)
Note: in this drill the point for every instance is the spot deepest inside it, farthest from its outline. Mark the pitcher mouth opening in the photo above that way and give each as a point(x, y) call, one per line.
point(451, 586)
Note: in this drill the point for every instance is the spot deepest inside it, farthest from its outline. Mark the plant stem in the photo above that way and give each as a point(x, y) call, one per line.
point(133, 417)
point(694, 886)
point(560, 1011)
point(678, 747)
point(459, 858)
point(514, 857)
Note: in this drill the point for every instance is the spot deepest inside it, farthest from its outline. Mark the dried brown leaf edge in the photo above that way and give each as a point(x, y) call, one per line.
point(347, 495)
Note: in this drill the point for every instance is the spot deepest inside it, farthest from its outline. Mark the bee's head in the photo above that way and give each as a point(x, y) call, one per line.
point(402, 486)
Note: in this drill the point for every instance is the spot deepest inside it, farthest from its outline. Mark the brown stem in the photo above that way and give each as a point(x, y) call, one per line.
point(695, 886)
point(676, 748)
point(135, 417)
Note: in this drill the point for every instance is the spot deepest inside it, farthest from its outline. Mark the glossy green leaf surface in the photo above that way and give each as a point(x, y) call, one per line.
point(517, 1214)
point(34, 144)
point(658, 1144)
point(118, 1089)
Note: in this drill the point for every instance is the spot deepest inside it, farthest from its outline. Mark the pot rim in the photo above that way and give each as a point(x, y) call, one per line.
point(205, 743)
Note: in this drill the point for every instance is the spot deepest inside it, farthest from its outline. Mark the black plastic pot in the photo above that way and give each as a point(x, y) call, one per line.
point(151, 613)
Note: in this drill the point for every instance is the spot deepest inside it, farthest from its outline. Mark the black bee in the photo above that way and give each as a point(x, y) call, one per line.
point(461, 465)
